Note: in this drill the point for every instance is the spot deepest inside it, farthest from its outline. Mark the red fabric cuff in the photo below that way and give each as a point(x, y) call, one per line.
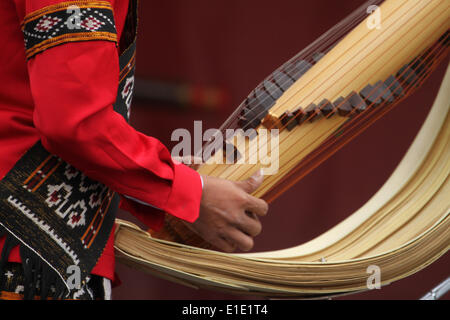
point(186, 193)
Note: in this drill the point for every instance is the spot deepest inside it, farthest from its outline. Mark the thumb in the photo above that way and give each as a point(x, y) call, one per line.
point(254, 182)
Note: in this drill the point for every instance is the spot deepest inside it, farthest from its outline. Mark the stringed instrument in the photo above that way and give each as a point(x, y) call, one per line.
point(317, 102)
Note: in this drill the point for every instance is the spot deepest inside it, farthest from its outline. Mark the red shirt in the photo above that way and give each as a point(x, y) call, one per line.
point(64, 96)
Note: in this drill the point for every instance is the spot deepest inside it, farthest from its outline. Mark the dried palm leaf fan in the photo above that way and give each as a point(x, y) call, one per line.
point(320, 100)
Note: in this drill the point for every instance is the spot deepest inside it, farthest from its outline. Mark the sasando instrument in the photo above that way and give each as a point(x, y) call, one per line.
point(362, 73)
point(320, 100)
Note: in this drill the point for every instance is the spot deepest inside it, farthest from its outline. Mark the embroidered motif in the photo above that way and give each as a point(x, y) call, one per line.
point(127, 93)
point(70, 172)
point(43, 195)
point(95, 200)
point(97, 222)
point(66, 22)
point(77, 217)
point(58, 194)
point(92, 24)
point(88, 185)
point(45, 24)
point(44, 227)
point(126, 82)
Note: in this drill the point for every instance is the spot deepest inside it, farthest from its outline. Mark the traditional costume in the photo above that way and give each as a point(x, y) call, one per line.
point(69, 155)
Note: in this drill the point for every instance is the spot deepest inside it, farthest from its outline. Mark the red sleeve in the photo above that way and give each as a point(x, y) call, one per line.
point(74, 86)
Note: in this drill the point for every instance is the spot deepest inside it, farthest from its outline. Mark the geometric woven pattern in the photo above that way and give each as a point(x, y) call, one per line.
point(66, 22)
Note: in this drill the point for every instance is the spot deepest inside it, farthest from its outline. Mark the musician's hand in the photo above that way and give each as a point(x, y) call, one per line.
point(229, 214)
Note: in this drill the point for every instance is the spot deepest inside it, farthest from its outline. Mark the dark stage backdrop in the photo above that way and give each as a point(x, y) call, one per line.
point(233, 45)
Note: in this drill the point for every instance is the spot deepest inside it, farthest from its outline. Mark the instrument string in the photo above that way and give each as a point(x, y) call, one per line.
point(354, 55)
point(358, 124)
point(321, 45)
point(323, 92)
point(370, 95)
point(355, 21)
point(365, 113)
point(352, 129)
point(327, 39)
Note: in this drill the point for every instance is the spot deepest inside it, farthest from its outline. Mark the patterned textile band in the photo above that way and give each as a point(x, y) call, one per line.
point(65, 22)
point(60, 217)
point(56, 213)
point(96, 288)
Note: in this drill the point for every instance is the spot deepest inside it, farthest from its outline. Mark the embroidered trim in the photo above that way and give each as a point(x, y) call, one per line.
point(128, 68)
point(24, 245)
point(38, 177)
point(71, 21)
point(44, 227)
point(15, 282)
point(10, 296)
point(92, 231)
point(82, 4)
point(72, 214)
